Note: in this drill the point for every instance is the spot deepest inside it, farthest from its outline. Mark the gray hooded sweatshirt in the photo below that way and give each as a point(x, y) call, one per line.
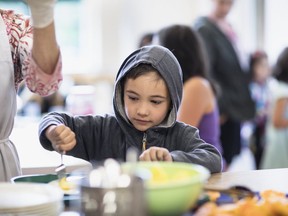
point(109, 136)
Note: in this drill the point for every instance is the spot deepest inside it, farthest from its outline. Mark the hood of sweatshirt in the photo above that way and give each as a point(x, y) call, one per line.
point(166, 64)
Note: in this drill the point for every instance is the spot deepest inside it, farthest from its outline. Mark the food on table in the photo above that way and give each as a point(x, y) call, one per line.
point(271, 203)
point(66, 185)
point(213, 195)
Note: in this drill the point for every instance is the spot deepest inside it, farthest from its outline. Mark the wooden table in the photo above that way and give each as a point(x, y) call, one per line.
point(256, 180)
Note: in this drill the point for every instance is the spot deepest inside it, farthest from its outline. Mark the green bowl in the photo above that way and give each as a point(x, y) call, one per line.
point(178, 190)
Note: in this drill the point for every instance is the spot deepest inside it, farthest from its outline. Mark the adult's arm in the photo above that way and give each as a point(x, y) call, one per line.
point(43, 68)
point(45, 50)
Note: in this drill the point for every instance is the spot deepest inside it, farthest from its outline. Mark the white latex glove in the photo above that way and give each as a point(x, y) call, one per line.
point(42, 12)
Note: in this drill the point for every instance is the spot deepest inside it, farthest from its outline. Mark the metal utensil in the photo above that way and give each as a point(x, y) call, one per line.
point(61, 169)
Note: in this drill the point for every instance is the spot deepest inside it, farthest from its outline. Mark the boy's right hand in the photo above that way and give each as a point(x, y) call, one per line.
point(61, 137)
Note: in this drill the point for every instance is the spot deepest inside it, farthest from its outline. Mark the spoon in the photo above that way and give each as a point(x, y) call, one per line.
point(61, 169)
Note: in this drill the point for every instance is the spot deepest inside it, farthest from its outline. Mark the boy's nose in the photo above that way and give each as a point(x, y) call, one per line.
point(143, 110)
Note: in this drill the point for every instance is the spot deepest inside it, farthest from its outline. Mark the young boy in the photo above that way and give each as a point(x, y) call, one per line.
point(147, 95)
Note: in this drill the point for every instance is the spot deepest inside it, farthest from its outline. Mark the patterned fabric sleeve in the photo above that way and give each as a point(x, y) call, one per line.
point(20, 35)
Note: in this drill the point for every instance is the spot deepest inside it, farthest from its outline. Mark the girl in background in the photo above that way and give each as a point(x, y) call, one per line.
point(259, 87)
point(276, 150)
point(199, 105)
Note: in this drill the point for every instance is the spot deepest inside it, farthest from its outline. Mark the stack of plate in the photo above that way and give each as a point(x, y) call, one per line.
point(30, 199)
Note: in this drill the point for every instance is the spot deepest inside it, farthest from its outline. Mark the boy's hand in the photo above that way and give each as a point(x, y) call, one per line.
point(61, 137)
point(155, 154)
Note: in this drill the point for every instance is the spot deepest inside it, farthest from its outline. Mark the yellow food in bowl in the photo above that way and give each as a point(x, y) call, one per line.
point(160, 176)
point(173, 188)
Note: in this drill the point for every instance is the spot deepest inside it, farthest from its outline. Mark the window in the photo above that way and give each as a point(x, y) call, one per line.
point(68, 16)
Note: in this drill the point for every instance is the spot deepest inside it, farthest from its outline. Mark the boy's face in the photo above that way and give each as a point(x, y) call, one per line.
point(146, 100)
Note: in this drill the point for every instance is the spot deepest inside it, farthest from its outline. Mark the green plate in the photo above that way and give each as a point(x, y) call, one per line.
point(69, 200)
point(38, 178)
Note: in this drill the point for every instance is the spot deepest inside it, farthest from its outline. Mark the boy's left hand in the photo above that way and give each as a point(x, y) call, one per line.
point(155, 154)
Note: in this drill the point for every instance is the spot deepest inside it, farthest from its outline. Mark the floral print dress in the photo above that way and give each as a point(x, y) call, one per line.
point(16, 65)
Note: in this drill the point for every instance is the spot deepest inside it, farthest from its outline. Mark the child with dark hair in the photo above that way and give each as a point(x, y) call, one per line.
point(147, 95)
point(259, 87)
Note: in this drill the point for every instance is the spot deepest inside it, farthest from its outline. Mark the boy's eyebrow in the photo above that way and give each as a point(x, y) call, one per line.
point(158, 96)
point(131, 91)
point(153, 96)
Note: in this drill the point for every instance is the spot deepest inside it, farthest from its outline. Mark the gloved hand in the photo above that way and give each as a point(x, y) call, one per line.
point(42, 12)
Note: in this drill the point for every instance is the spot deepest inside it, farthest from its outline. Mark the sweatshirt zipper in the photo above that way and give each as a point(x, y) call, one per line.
point(144, 142)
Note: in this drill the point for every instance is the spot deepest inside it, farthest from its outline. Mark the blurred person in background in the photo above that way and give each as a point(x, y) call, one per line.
point(229, 69)
point(53, 102)
point(199, 104)
point(276, 150)
point(146, 39)
point(260, 72)
point(29, 52)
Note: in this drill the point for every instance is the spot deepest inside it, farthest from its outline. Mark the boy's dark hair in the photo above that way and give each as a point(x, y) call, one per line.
point(281, 67)
point(138, 71)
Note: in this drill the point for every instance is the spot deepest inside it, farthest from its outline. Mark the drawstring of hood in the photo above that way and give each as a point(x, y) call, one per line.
point(144, 142)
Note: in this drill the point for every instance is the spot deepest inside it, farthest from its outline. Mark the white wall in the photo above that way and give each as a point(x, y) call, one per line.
point(115, 26)
point(124, 22)
point(109, 30)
